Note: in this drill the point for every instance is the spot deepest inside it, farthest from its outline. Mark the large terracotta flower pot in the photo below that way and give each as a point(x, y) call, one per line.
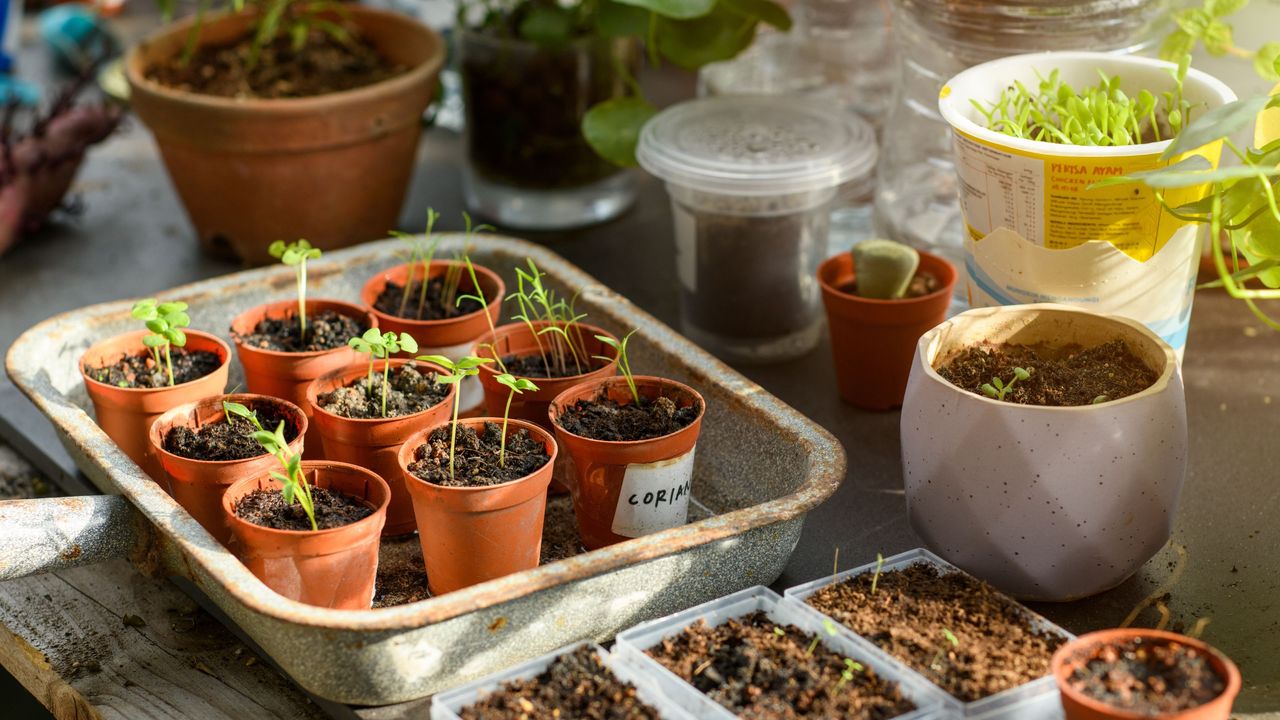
point(332, 168)
point(872, 341)
point(1080, 651)
point(126, 414)
point(1045, 503)
point(333, 568)
point(198, 485)
point(625, 490)
point(473, 534)
point(374, 443)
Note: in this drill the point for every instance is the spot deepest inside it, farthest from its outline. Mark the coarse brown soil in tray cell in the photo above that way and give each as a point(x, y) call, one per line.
point(411, 390)
point(604, 419)
point(1149, 677)
point(922, 284)
point(574, 686)
point(326, 330)
point(324, 65)
point(477, 459)
point(1064, 376)
point(142, 371)
point(913, 608)
point(534, 366)
point(223, 440)
point(434, 306)
point(758, 669)
point(333, 509)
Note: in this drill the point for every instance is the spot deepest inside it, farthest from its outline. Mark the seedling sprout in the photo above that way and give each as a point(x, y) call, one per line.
point(294, 486)
point(421, 251)
point(165, 321)
point(851, 667)
point(484, 304)
point(997, 389)
point(459, 370)
point(295, 255)
point(875, 579)
point(517, 386)
point(382, 346)
point(624, 364)
point(536, 303)
point(949, 637)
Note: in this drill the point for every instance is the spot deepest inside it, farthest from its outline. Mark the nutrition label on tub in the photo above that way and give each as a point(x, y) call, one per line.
point(999, 189)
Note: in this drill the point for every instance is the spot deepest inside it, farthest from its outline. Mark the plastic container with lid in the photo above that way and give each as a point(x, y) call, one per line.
point(752, 180)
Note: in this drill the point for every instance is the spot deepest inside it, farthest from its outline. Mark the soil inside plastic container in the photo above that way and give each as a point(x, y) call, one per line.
point(922, 284)
point(410, 390)
point(478, 460)
point(759, 669)
point(227, 440)
point(1149, 677)
point(1069, 375)
point(142, 371)
point(604, 419)
point(326, 330)
point(914, 613)
point(324, 65)
point(332, 509)
point(535, 366)
point(435, 305)
point(575, 685)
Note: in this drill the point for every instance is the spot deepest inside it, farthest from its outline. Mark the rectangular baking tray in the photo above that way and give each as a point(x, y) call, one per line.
point(761, 467)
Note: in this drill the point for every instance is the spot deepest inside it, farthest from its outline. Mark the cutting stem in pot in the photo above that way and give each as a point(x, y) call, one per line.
point(295, 255)
point(517, 386)
point(463, 368)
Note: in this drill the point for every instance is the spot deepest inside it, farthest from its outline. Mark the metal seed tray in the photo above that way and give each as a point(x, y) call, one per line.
point(760, 467)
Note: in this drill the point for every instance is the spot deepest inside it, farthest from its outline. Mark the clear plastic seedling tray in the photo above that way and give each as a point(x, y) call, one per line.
point(1035, 700)
point(631, 646)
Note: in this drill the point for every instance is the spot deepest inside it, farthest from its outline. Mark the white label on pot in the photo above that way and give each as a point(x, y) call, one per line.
point(654, 497)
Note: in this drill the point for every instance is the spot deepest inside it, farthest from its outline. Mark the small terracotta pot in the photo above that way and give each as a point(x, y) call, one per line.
point(198, 485)
point(374, 443)
point(873, 341)
point(333, 568)
point(451, 338)
point(624, 490)
point(1076, 653)
point(126, 414)
point(473, 534)
point(286, 375)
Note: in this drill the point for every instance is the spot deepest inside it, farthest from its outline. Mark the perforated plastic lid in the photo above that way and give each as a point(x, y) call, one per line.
point(757, 145)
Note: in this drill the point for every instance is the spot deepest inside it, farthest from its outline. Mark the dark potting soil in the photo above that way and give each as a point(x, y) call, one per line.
point(434, 307)
point(324, 65)
point(997, 648)
point(1149, 677)
point(410, 391)
point(326, 330)
point(333, 509)
point(1063, 376)
point(476, 457)
point(922, 284)
point(225, 440)
point(576, 685)
point(751, 668)
point(534, 367)
point(142, 371)
point(604, 419)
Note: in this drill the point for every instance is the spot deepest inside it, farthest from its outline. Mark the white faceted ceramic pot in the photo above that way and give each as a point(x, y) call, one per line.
point(1045, 503)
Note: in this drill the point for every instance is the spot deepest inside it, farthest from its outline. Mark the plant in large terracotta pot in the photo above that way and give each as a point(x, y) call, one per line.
point(288, 118)
point(1044, 447)
point(134, 378)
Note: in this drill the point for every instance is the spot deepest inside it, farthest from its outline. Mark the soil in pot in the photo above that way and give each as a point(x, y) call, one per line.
point(997, 646)
point(433, 307)
point(326, 330)
point(534, 367)
point(410, 390)
point(142, 371)
point(1070, 375)
point(333, 509)
point(605, 419)
point(324, 65)
point(757, 669)
point(1149, 676)
point(221, 441)
point(575, 685)
point(476, 458)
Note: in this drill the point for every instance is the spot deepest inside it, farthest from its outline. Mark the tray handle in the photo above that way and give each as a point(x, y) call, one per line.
point(38, 536)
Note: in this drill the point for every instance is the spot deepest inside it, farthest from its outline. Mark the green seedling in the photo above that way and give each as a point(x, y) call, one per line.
point(997, 389)
point(884, 268)
point(1100, 399)
point(624, 364)
point(537, 303)
point(165, 322)
point(949, 637)
point(295, 255)
point(421, 250)
point(458, 371)
point(484, 304)
point(381, 346)
point(292, 19)
point(875, 579)
point(851, 668)
point(294, 485)
point(516, 386)
point(1207, 25)
point(779, 631)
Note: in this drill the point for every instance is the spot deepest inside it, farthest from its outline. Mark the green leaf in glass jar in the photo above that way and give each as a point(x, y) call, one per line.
point(612, 128)
point(615, 19)
point(718, 35)
point(675, 9)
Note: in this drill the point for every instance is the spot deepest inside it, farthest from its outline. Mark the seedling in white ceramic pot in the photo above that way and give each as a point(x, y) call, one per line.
point(517, 386)
point(997, 389)
point(381, 347)
point(165, 321)
point(295, 255)
point(458, 371)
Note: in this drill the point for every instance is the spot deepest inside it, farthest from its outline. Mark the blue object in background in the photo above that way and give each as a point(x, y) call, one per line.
point(76, 35)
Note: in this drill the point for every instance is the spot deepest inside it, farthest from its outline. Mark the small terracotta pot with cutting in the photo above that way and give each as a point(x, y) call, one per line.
point(125, 414)
point(474, 533)
point(332, 567)
point(199, 484)
point(1113, 675)
point(624, 489)
point(374, 443)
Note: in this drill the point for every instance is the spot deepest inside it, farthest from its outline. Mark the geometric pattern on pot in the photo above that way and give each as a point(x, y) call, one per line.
point(1045, 503)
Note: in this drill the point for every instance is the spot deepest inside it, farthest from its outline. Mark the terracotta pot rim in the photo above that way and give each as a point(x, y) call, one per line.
point(620, 380)
point(1060, 666)
point(317, 103)
point(157, 443)
point(900, 302)
point(432, 324)
point(411, 445)
point(222, 345)
point(492, 368)
point(363, 316)
point(313, 396)
point(232, 517)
